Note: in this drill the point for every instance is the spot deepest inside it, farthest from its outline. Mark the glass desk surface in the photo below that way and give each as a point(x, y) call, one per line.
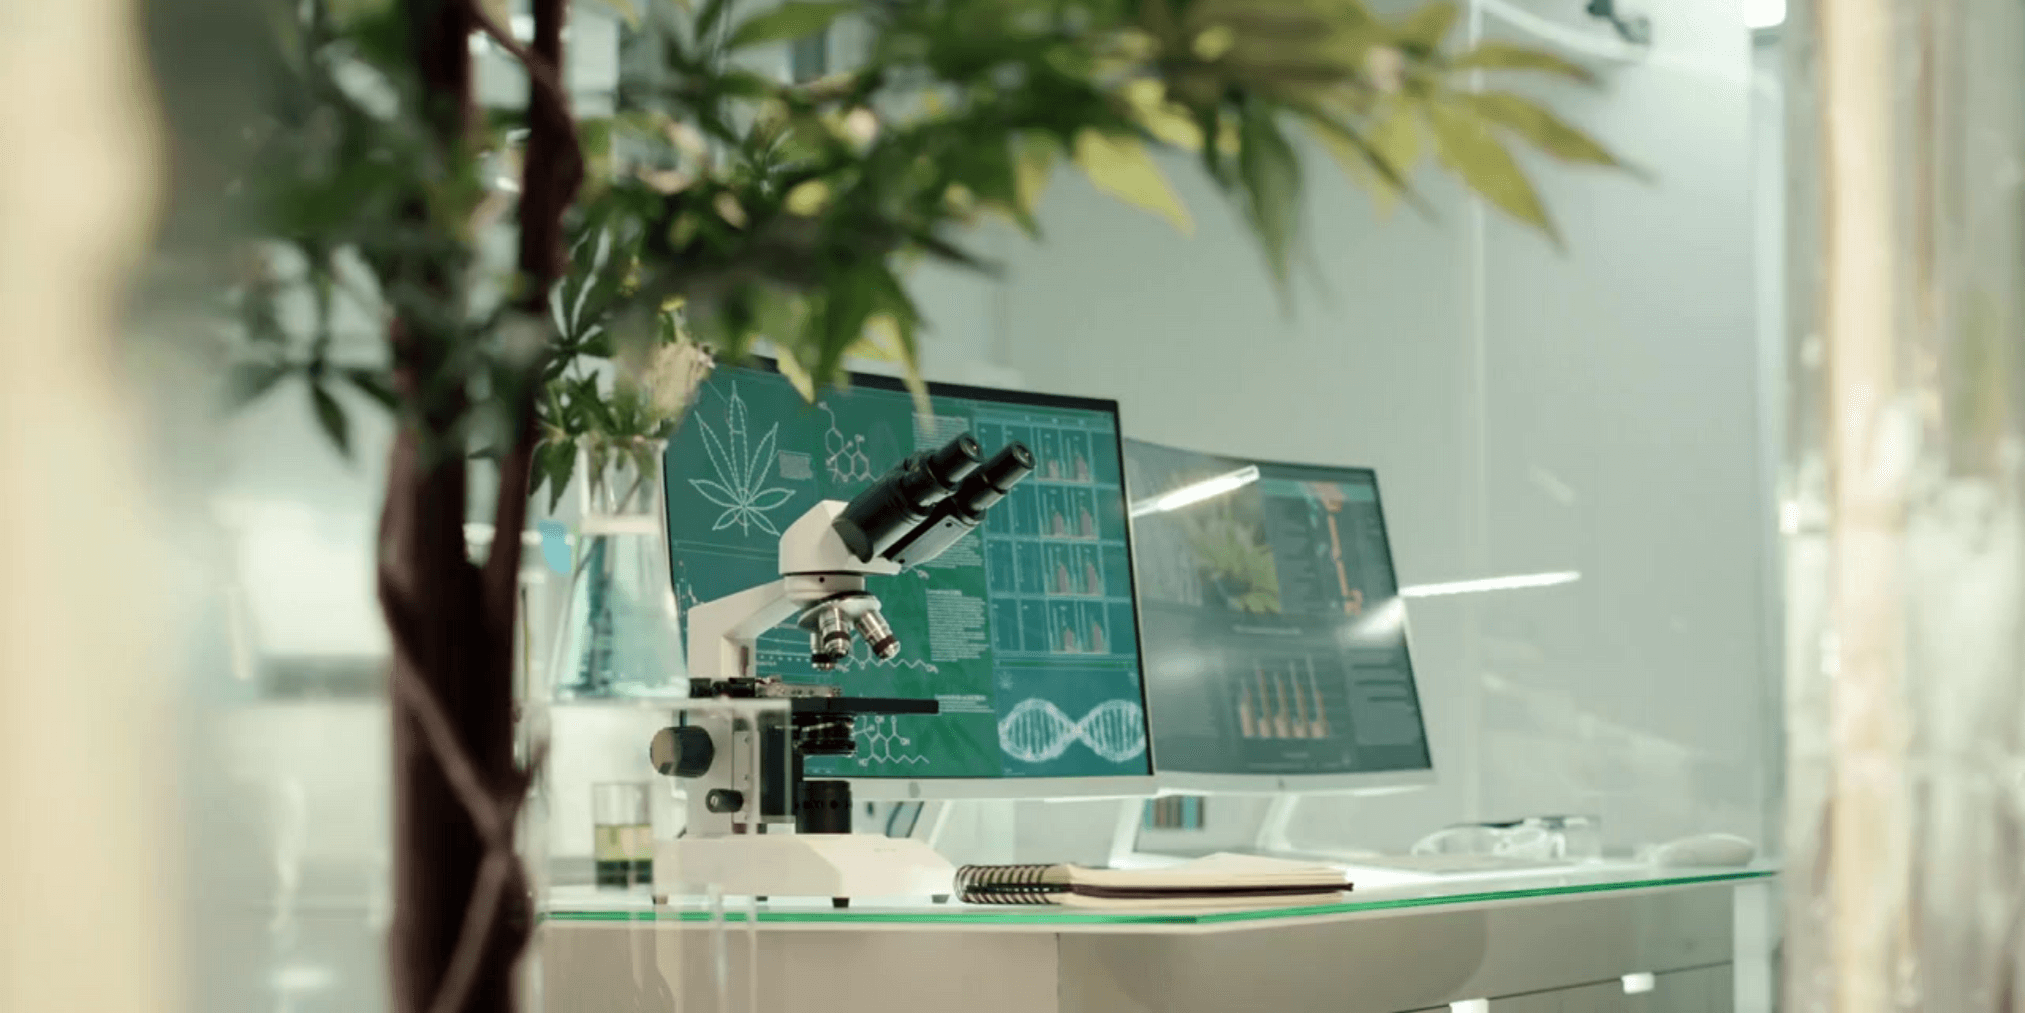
point(574, 904)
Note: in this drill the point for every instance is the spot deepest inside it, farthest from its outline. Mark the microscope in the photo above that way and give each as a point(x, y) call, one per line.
point(746, 776)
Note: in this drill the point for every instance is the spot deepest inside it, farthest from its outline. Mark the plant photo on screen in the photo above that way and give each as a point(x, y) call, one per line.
point(553, 281)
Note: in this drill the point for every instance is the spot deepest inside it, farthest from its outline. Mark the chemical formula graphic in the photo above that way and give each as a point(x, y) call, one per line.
point(880, 741)
point(861, 656)
point(1037, 731)
point(844, 456)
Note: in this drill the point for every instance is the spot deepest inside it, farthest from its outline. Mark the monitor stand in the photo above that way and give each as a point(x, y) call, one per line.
point(1125, 853)
point(1271, 839)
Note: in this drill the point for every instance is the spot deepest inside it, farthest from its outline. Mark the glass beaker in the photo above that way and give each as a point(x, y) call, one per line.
point(622, 829)
point(621, 636)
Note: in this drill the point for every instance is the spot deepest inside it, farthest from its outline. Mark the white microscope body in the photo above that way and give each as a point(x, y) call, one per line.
point(745, 775)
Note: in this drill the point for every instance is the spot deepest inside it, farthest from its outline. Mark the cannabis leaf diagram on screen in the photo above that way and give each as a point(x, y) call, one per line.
point(742, 470)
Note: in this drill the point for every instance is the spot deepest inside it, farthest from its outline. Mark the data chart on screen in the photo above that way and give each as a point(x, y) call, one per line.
point(1274, 637)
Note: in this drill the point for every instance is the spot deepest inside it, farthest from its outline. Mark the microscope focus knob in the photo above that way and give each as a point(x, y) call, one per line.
point(682, 751)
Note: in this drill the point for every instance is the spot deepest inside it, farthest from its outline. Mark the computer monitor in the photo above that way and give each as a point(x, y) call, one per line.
point(1273, 637)
point(1025, 631)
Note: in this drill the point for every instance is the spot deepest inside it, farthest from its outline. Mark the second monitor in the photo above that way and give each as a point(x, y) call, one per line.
point(1275, 641)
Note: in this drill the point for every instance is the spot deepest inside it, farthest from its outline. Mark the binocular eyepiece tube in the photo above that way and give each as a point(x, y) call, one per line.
point(955, 516)
point(903, 497)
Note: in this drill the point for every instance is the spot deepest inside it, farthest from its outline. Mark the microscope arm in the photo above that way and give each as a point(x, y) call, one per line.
point(722, 632)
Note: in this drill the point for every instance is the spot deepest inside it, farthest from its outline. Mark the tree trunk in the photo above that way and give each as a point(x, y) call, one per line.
point(462, 911)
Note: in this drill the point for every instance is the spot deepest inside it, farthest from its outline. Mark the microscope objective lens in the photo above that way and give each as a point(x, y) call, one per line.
point(878, 635)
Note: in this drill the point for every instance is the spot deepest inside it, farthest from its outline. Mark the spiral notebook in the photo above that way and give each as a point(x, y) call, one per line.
point(1220, 880)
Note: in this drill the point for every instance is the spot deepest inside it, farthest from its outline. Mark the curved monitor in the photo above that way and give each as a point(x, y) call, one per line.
point(1024, 631)
point(1273, 634)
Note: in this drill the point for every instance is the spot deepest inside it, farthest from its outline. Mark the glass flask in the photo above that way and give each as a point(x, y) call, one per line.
point(620, 636)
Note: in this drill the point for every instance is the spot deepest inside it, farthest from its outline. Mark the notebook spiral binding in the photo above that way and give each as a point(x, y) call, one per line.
point(1005, 884)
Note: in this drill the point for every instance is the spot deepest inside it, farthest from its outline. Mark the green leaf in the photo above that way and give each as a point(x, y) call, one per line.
point(1506, 56)
point(554, 463)
point(1467, 147)
point(1541, 128)
point(248, 381)
point(712, 13)
point(797, 375)
point(1271, 174)
point(1034, 158)
point(331, 416)
point(893, 339)
point(1382, 160)
point(1426, 27)
point(788, 21)
point(1121, 167)
point(373, 384)
point(808, 199)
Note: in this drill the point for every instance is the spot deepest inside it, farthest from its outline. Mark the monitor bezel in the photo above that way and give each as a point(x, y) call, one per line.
point(966, 788)
point(1174, 782)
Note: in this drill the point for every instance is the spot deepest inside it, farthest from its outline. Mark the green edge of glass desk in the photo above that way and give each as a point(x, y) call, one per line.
point(984, 915)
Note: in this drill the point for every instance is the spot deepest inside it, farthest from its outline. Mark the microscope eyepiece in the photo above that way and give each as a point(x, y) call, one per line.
point(891, 506)
point(989, 484)
point(956, 459)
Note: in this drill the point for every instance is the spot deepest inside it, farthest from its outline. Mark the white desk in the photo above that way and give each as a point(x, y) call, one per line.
point(1554, 943)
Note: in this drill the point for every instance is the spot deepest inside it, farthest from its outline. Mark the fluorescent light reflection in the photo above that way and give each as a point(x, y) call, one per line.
point(1196, 492)
point(1380, 625)
point(1470, 1006)
point(1511, 583)
point(1639, 984)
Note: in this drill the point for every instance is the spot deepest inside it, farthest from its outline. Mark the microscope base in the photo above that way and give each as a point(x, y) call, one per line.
point(801, 865)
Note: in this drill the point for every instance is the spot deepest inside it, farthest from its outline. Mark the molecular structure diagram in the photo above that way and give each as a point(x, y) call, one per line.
point(880, 741)
point(861, 657)
point(1037, 731)
point(844, 456)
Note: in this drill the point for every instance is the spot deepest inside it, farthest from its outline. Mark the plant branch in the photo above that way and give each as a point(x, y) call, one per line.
point(516, 469)
point(553, 169)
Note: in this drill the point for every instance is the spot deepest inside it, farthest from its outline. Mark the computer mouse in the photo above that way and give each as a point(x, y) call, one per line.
point(1704, 851)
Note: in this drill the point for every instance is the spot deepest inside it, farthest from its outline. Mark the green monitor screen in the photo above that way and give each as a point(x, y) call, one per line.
point(1024, 631)
point(1273, 633)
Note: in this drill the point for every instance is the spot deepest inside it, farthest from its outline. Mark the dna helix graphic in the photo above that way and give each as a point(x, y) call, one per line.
point(1037, 731)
